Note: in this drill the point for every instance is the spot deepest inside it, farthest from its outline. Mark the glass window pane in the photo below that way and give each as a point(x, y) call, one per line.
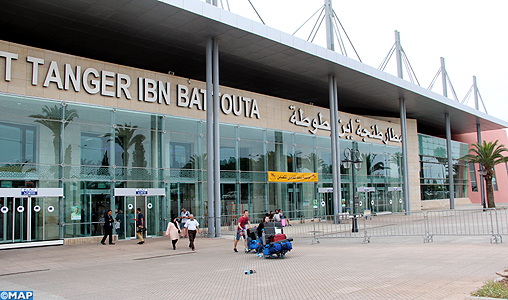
point(305, 159)
point(252, 155)
point(176, 124)
point(228, 154)
point(88, 115)
point(324, 142)
point(18, 106)
point(279, 157)
point(304, 139)
point(279, 136)
point(324, 160)
point(227, 130)
point(183, 151)
point(252, 133)
point(135, 120)
point(17, 143)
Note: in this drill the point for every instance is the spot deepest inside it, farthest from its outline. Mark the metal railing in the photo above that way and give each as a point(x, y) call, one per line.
point(427, 224)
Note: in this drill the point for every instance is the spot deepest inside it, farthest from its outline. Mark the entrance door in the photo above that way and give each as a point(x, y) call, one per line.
point(15, 218)
point(394, 196)
point(132, 203)
point(30, 218)
point(149, 201)
point(294, 198)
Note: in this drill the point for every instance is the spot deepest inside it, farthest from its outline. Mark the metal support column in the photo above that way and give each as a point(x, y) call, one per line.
point(334, 123)
point(398, 54)
point(403, 125)
point(443, 77)
point(451, 183)
point(329, 25)
point(209, 136)
point(164, 205)
point(479, 137)
point(450, 161)
point(61, 154)
point(336, 117)
point(216, 137)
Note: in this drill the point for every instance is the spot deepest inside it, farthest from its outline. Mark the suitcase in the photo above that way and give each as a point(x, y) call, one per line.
point(279, 237)
point(273, 224)
point(252, 233)
point(272, 228)
point(283, 222)
point(269, 230)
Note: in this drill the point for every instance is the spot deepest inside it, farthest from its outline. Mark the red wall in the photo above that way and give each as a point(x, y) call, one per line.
point(501, 195)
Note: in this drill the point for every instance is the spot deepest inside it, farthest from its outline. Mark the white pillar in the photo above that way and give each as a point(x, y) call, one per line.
point(450, 160)
point(216, 137)
point(329, 25)
point(334, 123)
point(209, 136)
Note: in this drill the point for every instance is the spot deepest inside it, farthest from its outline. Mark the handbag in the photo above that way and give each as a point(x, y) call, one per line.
point(141, 229)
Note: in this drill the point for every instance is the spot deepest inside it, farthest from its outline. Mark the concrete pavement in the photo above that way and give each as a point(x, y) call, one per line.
point(339, 268)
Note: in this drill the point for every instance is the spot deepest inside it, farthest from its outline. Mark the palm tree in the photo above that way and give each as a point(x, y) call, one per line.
point(125, 137)
point(52, 119)
point(487, 154)
point(372, 165)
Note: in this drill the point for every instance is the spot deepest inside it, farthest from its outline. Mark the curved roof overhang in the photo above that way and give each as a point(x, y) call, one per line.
point(170, 35)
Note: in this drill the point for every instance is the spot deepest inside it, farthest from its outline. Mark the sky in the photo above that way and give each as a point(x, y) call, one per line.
point(470, 35)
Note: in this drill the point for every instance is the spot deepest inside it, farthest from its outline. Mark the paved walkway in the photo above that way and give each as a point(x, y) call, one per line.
point(387, 268)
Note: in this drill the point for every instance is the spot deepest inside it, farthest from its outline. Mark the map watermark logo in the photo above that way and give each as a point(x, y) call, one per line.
point(4, 295)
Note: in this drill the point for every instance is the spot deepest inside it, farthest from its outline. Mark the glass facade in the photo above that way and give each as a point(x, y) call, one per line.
point(88, 151)
point(434, 183)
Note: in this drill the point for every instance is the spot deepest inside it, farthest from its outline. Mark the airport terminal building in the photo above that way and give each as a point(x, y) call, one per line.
point(107, 106)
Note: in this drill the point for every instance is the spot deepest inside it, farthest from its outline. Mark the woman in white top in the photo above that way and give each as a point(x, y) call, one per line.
point(172, 231)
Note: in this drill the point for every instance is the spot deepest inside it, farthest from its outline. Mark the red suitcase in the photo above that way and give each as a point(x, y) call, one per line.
point(279, 237)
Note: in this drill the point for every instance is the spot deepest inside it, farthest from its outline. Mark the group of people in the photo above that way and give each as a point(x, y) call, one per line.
point(189, 227)
point(279, 217)
point(244, 220)
point(109, 223)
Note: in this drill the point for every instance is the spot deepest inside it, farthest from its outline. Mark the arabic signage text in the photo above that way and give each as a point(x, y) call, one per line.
point(346, 130)
point(292, 177)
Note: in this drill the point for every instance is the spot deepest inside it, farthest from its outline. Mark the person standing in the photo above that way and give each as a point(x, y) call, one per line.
point(260, 231)
point(184, 217)
point(241, 230)
point(108, 228)
point(191, 226)
point(119, 224)
point(172, 231)
point(277, 215)
point(141, 226)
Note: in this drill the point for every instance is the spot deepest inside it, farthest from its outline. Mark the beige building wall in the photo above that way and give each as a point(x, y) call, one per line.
point(273, 112)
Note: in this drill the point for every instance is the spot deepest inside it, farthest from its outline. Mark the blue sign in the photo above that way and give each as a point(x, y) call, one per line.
point(16, 295)
point(28, 192)
point(141, 191)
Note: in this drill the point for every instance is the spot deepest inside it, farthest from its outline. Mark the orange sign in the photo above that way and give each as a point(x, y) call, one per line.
point(292, 177)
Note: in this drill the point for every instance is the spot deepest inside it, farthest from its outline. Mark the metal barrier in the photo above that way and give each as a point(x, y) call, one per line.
point(427, 224)
point(395, 224)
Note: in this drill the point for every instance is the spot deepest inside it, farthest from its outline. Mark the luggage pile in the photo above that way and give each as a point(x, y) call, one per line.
point(273, 242)
point(253, 241)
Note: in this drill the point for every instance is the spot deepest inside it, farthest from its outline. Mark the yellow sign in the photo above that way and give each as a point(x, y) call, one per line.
point(292, 177)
